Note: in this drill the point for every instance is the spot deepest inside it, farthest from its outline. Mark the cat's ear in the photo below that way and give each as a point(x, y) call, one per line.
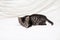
point(19, 19)
point(27, 18)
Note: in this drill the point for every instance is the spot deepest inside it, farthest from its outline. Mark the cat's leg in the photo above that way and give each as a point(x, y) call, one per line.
point(30, 23)
point(29, 26)
point(43, 23)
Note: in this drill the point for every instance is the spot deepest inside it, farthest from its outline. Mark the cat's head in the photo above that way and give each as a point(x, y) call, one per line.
point(24, 21)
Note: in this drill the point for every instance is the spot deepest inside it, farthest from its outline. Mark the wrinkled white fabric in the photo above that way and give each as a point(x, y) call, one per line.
point(15, 8)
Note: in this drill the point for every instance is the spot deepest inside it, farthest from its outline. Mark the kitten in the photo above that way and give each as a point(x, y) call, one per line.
point(34, 19)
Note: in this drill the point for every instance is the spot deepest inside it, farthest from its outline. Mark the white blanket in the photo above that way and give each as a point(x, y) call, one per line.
point(15, 8)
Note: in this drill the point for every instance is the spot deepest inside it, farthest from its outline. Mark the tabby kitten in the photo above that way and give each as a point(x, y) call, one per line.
point(34, 19)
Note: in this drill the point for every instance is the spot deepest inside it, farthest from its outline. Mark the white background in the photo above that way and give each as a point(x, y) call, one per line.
point(10, 29)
